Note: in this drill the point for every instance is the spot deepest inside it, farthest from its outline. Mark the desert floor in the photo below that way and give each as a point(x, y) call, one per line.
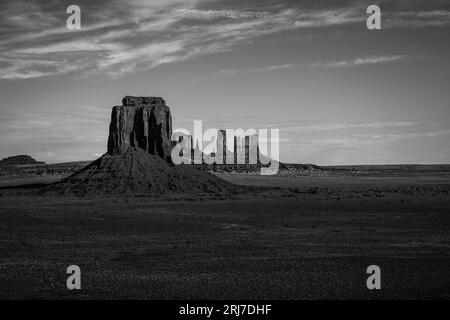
point(313, 243)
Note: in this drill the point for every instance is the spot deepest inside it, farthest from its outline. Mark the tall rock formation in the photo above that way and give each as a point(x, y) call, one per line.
point(138, 145)
point(144, 122)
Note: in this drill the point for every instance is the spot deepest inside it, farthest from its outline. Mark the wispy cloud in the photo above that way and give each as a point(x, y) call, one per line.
point(358, 61)
point(419, 19)
point(370, 142)
point(317, 126)
point(232, 72)
point(356, 135)
point(120, 37)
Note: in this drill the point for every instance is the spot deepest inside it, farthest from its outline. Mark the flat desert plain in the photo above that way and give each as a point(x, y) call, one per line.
point(309, 238)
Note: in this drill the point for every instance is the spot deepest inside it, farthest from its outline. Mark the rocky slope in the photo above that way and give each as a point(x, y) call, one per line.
point(136, 171)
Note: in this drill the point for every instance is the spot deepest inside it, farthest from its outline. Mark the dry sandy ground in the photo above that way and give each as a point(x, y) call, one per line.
point(314, 242)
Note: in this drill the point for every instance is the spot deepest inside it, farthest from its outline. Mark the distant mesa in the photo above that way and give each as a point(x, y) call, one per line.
point(20, 160)
point(245, 153)
point(19, 166)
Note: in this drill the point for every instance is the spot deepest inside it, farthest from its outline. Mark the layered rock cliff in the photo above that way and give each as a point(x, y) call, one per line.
point(144, 122)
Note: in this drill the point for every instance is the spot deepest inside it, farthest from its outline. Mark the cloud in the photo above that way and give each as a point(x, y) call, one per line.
point(342, 126)
point(276, 67)
point(326, 18)
point(419, 19)
point(232, 72)
point(365, 142)
point(149, 35)
point(354, 135)
point(232, 14)
point(358, 61)
point(119, 37)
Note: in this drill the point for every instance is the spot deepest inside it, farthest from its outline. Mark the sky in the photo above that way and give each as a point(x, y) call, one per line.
point(339, 93)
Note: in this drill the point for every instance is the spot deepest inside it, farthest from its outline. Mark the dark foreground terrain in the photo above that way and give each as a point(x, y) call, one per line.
point(313, 239)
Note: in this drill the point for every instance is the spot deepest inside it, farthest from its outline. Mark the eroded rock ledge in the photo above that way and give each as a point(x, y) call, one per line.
point(144, 122)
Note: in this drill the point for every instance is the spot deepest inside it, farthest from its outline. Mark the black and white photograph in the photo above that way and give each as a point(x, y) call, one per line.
point(206, 151)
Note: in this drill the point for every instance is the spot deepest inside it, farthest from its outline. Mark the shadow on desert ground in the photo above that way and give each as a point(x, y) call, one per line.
point(311, 238)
